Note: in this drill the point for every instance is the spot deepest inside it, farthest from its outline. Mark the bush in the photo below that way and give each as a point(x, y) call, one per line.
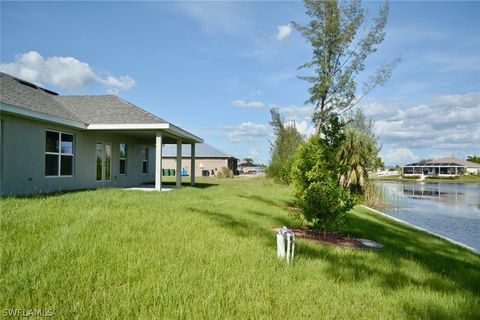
point(287, 139)
point(410, 177)
point(280, 169)
point(443, 178)
point(225, 173)
point(316, 173)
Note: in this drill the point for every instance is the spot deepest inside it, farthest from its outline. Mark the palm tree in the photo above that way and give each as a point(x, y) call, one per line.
point(473, 158)
point(358, 153)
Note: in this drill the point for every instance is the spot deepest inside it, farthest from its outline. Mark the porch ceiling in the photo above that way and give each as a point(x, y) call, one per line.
point(147, 136)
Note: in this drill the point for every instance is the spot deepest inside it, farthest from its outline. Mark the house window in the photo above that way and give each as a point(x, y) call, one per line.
point(145, 160)
point(123, 158)
point(58, 154)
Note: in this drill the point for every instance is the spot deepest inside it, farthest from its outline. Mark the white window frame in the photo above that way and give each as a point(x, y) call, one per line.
point(109, 177)
point(60, 154)
point(104, 161)
point(146, 149)
point(120, 159)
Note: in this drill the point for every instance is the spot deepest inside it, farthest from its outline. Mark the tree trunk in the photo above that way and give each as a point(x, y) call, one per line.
point(321, 119)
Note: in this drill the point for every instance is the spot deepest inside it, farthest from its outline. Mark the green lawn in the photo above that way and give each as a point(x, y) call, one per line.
point(209, 252)
point(462, 179)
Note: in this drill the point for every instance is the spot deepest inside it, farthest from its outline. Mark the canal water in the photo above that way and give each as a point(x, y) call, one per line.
point(448, 209)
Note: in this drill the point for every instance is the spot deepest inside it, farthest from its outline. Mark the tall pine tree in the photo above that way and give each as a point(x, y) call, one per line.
point(339, 54)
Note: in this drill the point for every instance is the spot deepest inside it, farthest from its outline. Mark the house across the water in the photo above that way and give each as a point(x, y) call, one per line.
point(50, 142)
point(442, 167)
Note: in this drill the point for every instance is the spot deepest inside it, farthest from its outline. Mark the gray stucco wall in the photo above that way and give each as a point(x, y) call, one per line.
point(22, 158)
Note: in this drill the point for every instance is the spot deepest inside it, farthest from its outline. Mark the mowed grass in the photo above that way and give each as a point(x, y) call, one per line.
point(209, 253)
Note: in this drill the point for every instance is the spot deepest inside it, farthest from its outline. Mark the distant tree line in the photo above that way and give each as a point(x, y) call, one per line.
point(473, 158)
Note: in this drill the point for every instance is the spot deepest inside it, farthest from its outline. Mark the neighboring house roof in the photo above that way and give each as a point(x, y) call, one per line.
point(246, 165)
point(447, 161)
point(202, 150)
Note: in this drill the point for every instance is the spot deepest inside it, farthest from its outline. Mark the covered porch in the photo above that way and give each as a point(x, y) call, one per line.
point(158, 135)
point(434, 169)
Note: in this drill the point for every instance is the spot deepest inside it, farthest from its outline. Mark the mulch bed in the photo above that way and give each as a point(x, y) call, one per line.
point(328, 238)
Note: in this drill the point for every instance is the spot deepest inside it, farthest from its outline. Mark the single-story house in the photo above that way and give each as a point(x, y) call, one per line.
point(448, 166)
point(209, 160)
point(249, 168)
point(50, 142)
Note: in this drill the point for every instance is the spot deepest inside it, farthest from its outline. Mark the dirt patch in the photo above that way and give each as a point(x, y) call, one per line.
point(291, 208)
point(334, 239)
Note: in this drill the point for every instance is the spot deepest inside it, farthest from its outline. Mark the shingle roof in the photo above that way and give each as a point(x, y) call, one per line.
point(105, 109)
point(447, 161)
point(461, 162)
point(19, 93)
point(202, 150)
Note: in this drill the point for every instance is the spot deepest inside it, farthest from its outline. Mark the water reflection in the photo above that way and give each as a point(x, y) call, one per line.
point(449, 209)
point(427, 191)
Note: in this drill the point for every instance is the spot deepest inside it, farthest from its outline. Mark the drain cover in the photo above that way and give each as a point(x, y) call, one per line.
point(371, 244)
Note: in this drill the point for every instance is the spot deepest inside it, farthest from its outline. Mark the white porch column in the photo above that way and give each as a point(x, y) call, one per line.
point(158, 161)
point(192, 165)
point(178, 172)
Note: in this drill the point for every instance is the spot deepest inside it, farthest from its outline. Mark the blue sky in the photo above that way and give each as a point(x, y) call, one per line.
point(215, 68)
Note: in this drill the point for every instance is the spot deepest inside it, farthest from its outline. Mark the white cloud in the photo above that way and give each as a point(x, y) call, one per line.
point(62, 72)
point(399, 156)
point(254, 154)
point(247, 131)
point(244, 104)
point(217, 17)
point(449, 124)
point(469, 100)
point(296, 113)
point(304, 127)
point(377, 110)
point(301, 117)
point(283, 31)
point(255, 93)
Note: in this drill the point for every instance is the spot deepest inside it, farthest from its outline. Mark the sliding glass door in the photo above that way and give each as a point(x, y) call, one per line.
point(104, 162)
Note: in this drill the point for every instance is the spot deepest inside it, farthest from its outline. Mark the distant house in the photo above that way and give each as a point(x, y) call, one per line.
point(208, 159)
point(50, 142)
point(249, 168)
point(442, 167)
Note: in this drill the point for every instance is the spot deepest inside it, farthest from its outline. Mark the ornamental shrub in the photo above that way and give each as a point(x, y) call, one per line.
point(316, 173)
point(225, 173)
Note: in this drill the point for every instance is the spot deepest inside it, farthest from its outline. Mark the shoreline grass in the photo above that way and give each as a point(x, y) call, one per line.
point(209, 252)
point(461, 179)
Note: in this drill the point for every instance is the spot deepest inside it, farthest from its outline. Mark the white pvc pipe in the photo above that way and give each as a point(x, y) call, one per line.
point(293, 248)
point(288, 248)
point(280, 246)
